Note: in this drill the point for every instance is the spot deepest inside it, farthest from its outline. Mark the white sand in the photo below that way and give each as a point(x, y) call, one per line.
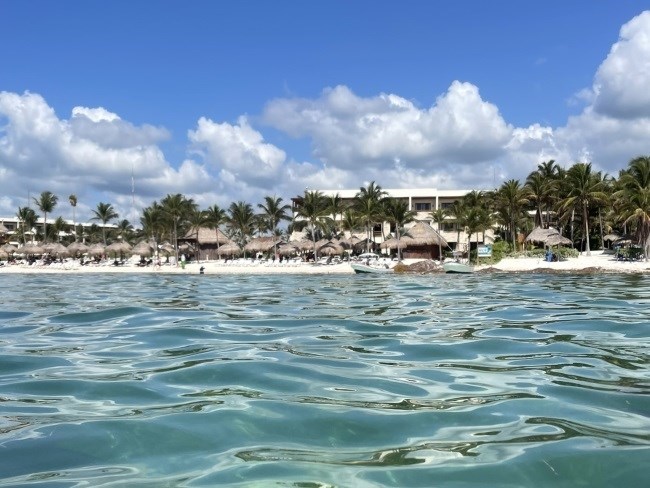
point(598, 261)
point(602, 261)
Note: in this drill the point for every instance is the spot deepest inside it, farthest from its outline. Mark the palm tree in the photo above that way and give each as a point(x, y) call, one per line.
point(274, 212)
point(315, 210)
point(397, 212)
point(27, 218)
point(152, 222)
point(241, 221)
point(585, 189)
point(634, 198)
point(350, 221)
point(73, 203)
point(538, 191)
point(551, 175)
point(438, 216)
point(46, 203)
point(367, 203)
point(176, 209)
point(125, 229)
point(104, 213)
point(58, 226)
point(215, 218)
point(510, 203)
point(336, 208)
point(197, 219)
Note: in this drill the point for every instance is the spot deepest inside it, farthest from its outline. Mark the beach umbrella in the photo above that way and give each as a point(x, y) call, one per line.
point(230, 249)
point(541, 235)
point(9, 248)
point(331, 249)
point(556, 240)
point(4, 254)
point(31, 249)
point(142, 248)
point(77, 248)
point(119, 247)
point(287, 249)
point(97, 250)
point(56, 249)
point(304, 245)
point(3, 229)
point(166, 248)
point(611, 237)
point(262, 244)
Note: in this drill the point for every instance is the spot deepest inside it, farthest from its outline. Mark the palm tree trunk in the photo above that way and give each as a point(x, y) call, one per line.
point(585, 216)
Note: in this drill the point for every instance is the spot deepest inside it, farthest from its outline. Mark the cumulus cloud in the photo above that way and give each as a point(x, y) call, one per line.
point(108, 130)
point(348, 130)
point(39, 151)
point(622, 81)
point(237, 151)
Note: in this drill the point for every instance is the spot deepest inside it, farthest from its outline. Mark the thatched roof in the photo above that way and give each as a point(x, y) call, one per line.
point(262, 244)
point(391, 243)
point(550, 237)
point(143, 248)
point(96, 249)
point(611, 237)
point(56, 249)
point(206, 236)
point(422, 234)
point(77, 247)
point(331, 249)
point(230, 249)
point(287, 249)
point(3, 229)
point(556, 240)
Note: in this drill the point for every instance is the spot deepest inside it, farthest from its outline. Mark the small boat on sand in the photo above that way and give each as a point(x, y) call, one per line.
point(361, 268)
point(371, 263)
point(457, 267)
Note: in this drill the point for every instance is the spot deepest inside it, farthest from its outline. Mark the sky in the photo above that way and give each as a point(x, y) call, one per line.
point(125, 102)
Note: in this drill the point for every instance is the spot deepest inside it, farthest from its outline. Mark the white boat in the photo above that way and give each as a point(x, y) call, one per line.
point(371, 263)
point(457, 267)
point(361, 268)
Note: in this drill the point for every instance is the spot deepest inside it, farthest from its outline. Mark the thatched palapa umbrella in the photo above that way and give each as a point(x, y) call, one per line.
point(231, 249)
point(77, 248)
point(9, 248)
point(30, 249)
point(97, 250)
point(56, 249)
point(287, 249)
point(4, 254)
point(331, 249)
point(262, 244)
point(143, 248)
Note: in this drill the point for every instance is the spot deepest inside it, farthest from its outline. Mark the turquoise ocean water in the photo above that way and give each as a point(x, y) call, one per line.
point(317, 381)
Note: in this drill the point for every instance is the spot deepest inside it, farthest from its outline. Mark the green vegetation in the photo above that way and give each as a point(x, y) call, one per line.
point(581, 203)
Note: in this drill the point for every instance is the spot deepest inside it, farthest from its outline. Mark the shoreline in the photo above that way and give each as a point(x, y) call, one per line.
point(598, 262)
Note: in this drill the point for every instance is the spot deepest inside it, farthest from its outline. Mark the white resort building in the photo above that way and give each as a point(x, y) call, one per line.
point(423, 201)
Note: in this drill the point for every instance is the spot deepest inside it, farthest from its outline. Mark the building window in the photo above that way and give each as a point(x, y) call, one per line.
point(423, 207)
point(447, 204)
point(448, 226)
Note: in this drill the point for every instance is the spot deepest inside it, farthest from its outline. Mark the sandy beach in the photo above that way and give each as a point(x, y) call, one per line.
point(597, 262)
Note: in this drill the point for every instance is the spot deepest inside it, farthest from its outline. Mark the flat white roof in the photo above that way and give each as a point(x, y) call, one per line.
point(403, 193)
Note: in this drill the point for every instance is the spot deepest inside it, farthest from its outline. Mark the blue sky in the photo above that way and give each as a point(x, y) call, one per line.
point(227, 101)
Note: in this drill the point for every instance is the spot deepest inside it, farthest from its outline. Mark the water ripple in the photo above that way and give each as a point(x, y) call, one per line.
point(296, 381)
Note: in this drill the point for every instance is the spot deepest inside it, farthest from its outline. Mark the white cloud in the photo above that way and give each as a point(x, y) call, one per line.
point(622, 82)
point(39, 151)
point(348, 130)
point(238, 151)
